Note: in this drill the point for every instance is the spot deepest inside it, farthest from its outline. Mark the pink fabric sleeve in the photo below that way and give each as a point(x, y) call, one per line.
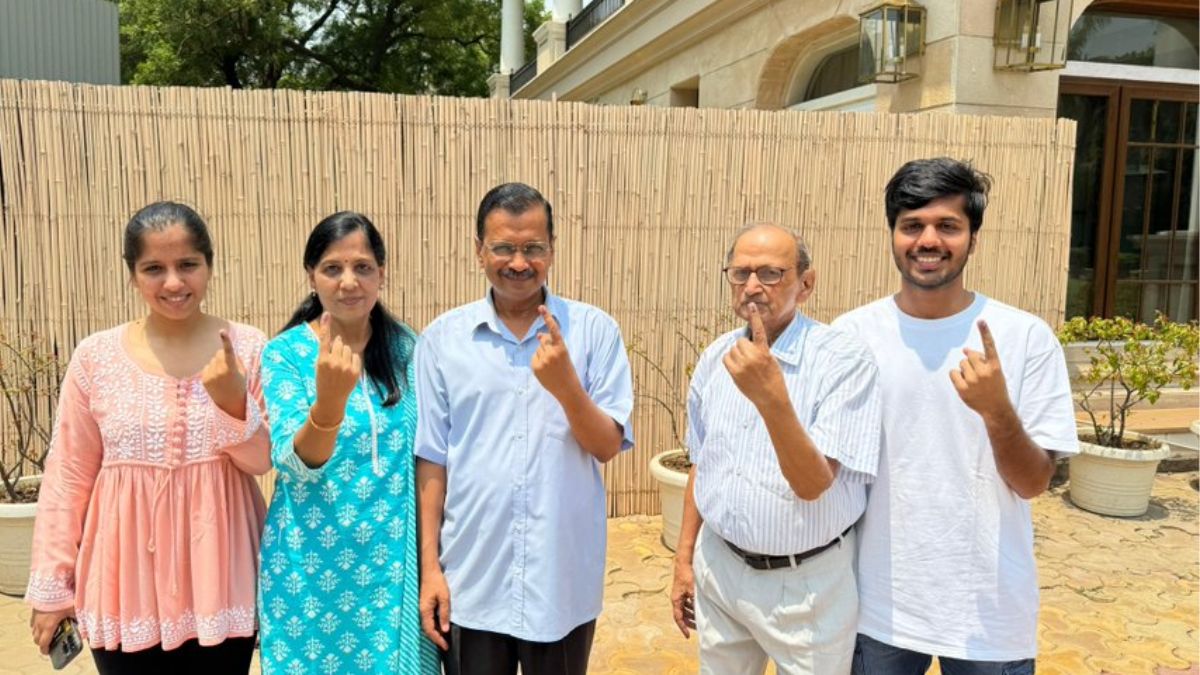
point(252, 453)
point(71, 467)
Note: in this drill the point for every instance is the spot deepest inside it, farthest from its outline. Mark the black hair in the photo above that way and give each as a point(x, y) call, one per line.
point(923, 180)
point(157, 217)
point(516, 198)
point(386, 356)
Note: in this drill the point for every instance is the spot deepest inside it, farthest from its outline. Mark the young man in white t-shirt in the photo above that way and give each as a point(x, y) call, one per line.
point(976, 405)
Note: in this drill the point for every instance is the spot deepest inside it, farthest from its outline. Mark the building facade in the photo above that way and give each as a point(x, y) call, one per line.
point(68, 40)
point(1127, 71)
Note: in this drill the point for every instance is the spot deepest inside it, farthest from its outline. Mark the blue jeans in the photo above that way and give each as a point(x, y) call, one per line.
point(872, 657)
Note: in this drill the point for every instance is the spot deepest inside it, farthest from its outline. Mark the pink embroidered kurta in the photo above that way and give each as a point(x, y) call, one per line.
point(149, 519)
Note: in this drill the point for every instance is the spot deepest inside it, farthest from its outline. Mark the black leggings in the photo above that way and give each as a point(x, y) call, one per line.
point(231, 656)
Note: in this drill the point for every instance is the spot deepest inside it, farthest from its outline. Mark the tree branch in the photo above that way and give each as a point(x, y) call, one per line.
point(316, 26)
point(339, 72)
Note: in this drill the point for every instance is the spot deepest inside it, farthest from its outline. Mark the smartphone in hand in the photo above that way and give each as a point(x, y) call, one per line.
point(66, 644)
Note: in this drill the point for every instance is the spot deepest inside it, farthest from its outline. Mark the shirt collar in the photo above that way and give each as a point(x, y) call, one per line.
point(790, 344)
point(485, 313)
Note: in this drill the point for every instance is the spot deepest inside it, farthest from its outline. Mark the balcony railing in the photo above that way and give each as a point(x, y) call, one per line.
point(521, 76)
point(588, 18)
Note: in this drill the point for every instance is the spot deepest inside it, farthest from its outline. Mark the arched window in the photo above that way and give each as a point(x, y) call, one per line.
point(1112, 37)
point(837, 72)
point(833, 83)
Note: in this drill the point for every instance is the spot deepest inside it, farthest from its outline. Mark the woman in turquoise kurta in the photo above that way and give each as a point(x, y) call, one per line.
point(339, 584)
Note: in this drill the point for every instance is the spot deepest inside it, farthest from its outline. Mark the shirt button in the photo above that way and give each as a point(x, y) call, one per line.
point(519, 437)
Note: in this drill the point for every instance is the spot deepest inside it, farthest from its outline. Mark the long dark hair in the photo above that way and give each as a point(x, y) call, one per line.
point(390, 348)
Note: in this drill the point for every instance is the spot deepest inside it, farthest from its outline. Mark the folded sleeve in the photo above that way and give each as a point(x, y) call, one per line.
point(433, 405)
point(250, 449)
point(847, 423)
point(289, 395)
point(610, 382)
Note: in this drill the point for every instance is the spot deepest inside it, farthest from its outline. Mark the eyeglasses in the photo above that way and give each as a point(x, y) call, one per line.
point(534, 250)
point(767, 276)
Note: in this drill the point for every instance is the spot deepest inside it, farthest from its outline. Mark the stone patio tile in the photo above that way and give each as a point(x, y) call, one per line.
point(1118, 596)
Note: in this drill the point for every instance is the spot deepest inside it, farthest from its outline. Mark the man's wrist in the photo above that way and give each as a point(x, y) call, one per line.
point(773, 401)
point(1001, 418)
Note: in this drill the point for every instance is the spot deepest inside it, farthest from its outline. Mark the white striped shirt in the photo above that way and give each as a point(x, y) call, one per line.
point(740, 489)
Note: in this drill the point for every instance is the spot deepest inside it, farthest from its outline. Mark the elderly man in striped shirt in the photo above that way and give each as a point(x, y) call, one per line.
point(783, 428)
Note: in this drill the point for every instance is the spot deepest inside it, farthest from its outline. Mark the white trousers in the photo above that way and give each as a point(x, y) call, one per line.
point(803, 618)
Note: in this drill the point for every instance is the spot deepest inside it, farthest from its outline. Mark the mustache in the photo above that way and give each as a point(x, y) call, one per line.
point(517, 276)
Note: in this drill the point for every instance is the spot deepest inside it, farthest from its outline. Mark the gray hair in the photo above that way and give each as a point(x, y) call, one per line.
point(803, 256)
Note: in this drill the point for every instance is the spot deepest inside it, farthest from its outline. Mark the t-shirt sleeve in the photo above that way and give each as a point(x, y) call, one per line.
point(1046, 407)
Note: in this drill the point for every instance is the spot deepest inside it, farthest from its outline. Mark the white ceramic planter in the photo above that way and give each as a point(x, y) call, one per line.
point(1115, 481)
point(16, 542)
point(671, 485)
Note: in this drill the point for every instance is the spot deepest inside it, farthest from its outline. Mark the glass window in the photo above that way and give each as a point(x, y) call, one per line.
point(837, 72)
point(1090, 112)
point(1109, 37)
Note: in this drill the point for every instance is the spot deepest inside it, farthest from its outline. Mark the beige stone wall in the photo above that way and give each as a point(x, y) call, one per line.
point(758, 59)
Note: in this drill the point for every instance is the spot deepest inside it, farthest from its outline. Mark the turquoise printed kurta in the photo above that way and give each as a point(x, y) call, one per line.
point(338, 587)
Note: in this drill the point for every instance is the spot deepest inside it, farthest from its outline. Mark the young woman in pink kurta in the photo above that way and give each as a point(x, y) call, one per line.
point(149, 517)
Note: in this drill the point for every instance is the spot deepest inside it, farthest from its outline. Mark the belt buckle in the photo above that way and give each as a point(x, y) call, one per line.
point(758, 562)
point(779, 562)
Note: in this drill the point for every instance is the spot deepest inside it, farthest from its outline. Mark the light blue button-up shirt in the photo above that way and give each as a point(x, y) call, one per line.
point(741, 493)
point(523, 535)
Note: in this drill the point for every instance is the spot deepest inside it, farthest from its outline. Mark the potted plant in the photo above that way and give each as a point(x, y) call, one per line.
point(1128, 363)
point(29, 383)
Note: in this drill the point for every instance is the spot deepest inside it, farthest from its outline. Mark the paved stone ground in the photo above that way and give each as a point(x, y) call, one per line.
point(1119, 596)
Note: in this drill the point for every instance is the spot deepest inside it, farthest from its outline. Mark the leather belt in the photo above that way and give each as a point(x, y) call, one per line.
point(760, 561)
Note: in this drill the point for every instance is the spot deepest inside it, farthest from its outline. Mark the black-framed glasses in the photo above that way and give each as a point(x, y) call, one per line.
point(767, 275)
point(534, 250)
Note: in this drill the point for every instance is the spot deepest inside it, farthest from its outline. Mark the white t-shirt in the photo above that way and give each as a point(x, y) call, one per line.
point(946, 563)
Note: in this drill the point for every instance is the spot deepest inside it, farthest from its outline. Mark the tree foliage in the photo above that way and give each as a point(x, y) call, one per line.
point(400, 46)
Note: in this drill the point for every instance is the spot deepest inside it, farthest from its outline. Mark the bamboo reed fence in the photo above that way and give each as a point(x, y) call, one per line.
point(645, 202)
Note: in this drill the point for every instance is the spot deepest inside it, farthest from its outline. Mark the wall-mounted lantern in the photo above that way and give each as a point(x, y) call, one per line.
point(889, 34)
point(1032, 34)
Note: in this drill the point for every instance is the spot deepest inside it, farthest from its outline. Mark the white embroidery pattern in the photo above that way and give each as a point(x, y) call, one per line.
point(50, 589)
point(138, 633)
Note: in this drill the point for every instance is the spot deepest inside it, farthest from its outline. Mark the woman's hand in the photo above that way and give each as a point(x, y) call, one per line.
point(44, 624)
point(338, 370)
point(224, 379)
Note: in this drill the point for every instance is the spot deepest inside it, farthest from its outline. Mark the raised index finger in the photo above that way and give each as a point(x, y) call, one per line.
point(227, 345)
point(550, 323)
point(989, 344)
point(323, 331)
point(758, 332)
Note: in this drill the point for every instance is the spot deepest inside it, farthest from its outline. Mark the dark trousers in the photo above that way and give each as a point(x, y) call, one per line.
point(872, 657)
point(478, 652)
point(231, 656)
